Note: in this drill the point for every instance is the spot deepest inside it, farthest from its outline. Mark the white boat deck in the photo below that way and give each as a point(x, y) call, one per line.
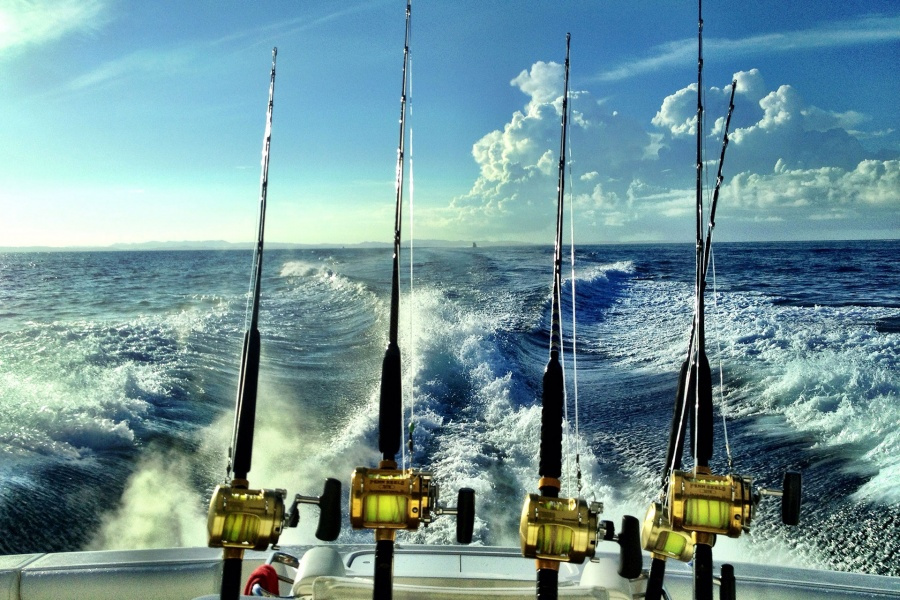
point(419, 571)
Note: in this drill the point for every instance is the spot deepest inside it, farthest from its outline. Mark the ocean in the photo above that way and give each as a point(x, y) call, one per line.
point(118, 375)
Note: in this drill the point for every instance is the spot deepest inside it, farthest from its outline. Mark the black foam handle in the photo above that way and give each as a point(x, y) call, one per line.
point(390, 408)
point(552, 401)
point(231, 579)
point(655, 581)
point(330, 511)
point(465, 515)
point(790, 498)
point(630, 560)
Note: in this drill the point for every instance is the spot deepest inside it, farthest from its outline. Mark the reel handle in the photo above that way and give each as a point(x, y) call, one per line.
point(790, 494)
point(329, 504)
point(631, 562)
point(465, 514)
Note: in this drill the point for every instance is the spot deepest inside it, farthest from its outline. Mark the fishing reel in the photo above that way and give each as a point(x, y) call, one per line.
point(391, 499)
point(660, 539)
point(560, 529)
point(568, 530)
point(254, 519)
point(702, 503)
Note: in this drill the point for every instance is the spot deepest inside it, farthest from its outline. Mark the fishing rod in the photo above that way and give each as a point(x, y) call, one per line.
point(695, 506)
point(387, 499)
point(241, 518)
point(554, 529)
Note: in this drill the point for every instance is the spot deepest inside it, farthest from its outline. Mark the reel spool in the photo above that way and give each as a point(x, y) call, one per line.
point(254, 519)
point(392, 499)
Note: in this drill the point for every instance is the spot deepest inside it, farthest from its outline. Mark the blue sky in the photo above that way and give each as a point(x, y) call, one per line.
point(142, 121)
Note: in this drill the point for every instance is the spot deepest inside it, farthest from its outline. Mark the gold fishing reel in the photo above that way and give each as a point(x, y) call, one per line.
point(560, 529)
point(254, 519)
point(663, 541)
point(390, 499)
point(702, 505)
point(245, 519)
point(703, 502)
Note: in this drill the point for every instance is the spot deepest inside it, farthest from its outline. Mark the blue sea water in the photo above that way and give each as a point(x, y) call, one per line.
point(118, 373)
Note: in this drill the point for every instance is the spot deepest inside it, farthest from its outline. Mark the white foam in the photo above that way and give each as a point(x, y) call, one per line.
point(159, 508)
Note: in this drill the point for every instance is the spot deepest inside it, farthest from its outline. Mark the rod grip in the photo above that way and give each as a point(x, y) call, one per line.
point(704, 417)
point(384, 570)
point(245, 411)
point(231, 579)
point(547, 584)
point(390, 410)
point(703, 572)
point(552, 398)
point(655, 581)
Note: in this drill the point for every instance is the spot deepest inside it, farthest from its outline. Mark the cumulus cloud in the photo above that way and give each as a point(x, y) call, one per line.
point(518, 165)
point(788, 162)
point(27, 22)
point(871, 185)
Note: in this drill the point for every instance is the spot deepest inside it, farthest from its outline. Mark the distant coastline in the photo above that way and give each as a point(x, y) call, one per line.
point(223, 245)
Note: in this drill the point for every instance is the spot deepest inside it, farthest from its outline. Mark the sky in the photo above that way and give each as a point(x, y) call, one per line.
point(131, 122)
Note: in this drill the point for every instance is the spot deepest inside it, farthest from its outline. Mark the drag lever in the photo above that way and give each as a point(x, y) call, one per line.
point(329, 504)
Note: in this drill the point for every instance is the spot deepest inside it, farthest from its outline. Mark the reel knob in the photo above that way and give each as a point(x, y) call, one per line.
point(629, 539)
point(790, 497)
point(329, 504)
point(465, 514)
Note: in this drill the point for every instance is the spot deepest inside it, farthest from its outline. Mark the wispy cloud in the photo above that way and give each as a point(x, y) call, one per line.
point(144, 61)
point(292, 26)
point(873, 29)
point(25, 23)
